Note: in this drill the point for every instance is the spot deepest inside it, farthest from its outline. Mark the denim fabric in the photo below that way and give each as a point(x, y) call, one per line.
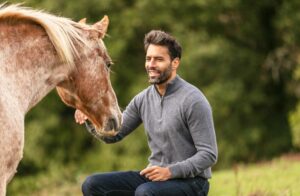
point(131, 183)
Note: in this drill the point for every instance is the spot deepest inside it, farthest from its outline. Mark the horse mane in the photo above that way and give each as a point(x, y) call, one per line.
point(62, 32)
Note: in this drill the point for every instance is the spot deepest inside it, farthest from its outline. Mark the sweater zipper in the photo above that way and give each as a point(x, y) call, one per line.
point(161, 106)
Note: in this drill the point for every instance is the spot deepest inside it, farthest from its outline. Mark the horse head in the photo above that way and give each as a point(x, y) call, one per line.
point(88, 87)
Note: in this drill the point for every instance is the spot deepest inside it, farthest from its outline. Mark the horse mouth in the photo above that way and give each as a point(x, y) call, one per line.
point(110, 130)
point(104, 133)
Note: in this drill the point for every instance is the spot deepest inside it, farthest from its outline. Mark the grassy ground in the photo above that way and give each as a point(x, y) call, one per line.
point(279, 177)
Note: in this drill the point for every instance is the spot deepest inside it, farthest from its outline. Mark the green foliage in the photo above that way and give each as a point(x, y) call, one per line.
point(242, 54)
point(295, 124)
point(50, 135)
point(295, 114)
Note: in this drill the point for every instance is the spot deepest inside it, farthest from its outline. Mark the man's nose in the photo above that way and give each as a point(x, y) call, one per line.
point(151, 63)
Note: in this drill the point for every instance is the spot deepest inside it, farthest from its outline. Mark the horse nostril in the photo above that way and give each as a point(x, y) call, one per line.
point(111, 124)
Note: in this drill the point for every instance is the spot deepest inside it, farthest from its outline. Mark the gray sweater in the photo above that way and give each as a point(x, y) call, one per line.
point(179, 128)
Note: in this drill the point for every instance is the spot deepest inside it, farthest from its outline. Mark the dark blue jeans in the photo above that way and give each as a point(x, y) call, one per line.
point(133, 184)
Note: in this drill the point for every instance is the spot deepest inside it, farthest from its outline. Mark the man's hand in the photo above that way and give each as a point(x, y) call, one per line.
point(156, 173)
point(80, 117)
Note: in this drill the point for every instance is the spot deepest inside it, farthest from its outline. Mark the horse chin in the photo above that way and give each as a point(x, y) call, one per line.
point(99, 134)
point(105, 133)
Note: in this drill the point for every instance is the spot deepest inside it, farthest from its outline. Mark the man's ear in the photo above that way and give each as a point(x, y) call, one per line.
point(175, 63)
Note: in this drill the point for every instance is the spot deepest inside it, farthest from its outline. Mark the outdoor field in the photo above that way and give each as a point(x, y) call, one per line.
point(279, 177)
point(238, 109)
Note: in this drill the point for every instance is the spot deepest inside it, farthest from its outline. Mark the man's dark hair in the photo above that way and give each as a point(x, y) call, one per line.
point(161, 38)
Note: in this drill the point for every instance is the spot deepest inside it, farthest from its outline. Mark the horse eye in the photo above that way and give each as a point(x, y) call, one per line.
point(109, 64)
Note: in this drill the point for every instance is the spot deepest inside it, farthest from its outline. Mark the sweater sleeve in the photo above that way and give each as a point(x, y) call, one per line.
point(200, 123)
point(131, 120)
point(131, 117)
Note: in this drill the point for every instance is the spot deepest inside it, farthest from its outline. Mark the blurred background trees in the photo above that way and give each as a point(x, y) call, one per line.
point(243, 54)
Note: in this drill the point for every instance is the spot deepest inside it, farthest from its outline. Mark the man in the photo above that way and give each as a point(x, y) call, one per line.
point(179, 126)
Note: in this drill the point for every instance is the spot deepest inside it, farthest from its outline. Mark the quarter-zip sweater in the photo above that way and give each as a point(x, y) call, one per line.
point(179, 128)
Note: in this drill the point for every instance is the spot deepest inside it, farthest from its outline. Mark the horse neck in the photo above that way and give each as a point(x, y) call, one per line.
point(28, 61)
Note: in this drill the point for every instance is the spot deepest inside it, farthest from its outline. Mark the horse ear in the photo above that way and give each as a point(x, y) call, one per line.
point(102, 26)
point(82, 21)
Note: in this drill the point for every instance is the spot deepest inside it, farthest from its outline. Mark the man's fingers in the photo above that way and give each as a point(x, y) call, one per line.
point(151, 173)
point(80, 117)
point(155, 177)
point(147, 170)
point(156, 173)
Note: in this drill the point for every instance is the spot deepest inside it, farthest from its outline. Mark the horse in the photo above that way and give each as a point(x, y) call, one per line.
point(40, 52)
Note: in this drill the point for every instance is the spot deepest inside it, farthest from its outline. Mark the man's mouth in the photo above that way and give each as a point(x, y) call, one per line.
point(153, 73)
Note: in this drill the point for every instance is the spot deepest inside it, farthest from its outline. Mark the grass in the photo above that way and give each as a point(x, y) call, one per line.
point(279, 177)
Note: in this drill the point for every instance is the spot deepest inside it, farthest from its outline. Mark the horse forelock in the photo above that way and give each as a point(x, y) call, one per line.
point(63, 32)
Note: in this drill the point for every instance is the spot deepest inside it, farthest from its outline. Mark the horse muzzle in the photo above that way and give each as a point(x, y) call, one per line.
point(112, 124)
point(110, 129)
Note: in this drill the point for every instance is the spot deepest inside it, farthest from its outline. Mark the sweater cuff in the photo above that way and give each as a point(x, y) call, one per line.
point(176, 171)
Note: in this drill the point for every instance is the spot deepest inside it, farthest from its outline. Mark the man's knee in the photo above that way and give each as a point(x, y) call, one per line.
point(90, 185)
point(144, 190)
point(86, 186)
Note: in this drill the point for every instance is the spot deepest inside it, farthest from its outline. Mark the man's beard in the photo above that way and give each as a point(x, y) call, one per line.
point(163, 75)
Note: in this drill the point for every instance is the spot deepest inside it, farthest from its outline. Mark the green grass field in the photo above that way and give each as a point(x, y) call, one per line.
point(280, 177)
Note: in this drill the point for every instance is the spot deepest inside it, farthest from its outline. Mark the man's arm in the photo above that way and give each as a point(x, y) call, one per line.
point(200, 122)
point(131, 120)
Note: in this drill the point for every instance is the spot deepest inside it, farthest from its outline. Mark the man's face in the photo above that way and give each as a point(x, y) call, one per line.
point(158, 64)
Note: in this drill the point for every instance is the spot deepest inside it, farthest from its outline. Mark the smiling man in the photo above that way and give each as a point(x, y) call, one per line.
point(179, 126)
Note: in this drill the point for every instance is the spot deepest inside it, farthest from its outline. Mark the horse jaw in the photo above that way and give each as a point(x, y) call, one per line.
point(101, 129)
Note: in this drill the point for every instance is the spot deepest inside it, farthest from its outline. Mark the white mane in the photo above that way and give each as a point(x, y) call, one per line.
point(63, 32)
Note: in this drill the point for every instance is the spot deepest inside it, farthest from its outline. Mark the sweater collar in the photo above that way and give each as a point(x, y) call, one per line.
point(172, 86)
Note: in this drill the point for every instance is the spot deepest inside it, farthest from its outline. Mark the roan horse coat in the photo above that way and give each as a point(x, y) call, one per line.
point(39, 52)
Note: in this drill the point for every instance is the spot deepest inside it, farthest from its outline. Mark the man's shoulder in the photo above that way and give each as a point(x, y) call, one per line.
point(144, 92)
point(141, 95)
point(191, 93)
point(189, 89)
